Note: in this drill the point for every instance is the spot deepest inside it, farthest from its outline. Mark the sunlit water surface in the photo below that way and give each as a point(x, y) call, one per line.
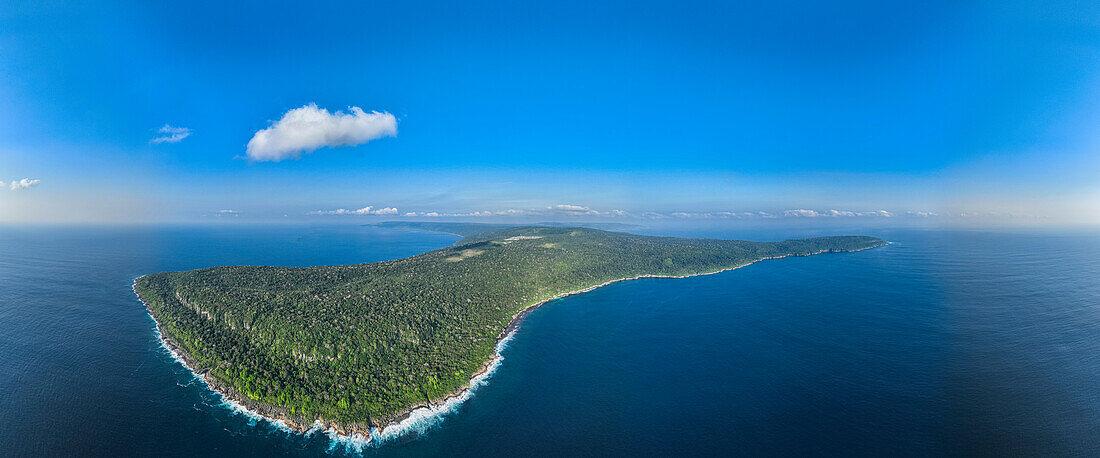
point(941, 342)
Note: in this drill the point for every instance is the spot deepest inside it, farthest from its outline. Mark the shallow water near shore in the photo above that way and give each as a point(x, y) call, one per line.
point(943, 341)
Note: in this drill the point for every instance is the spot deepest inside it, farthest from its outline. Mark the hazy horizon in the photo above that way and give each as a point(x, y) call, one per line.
point(977, 115)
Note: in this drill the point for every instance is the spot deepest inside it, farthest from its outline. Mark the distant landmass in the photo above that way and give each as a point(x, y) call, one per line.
point(468, 229)
point(359, 347)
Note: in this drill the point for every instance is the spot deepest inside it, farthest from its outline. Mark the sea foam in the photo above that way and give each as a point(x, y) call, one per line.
point(419, 420)
point(227, 403)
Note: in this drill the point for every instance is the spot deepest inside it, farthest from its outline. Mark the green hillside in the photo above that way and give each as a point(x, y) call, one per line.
point(361, 343)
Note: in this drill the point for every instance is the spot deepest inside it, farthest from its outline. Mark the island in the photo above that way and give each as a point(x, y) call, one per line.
point(359, 347)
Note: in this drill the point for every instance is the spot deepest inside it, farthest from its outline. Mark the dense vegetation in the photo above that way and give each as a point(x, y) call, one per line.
point(360, 342)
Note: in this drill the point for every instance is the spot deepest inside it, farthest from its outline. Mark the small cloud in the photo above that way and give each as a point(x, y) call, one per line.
point(801, 213)
point(171, 134)
point(368, 210)
point(22, 184)
point(552, 210)
point(576, 210)
point(228, 213)
point(572, 209)
point(921, 214)
point(308, 128)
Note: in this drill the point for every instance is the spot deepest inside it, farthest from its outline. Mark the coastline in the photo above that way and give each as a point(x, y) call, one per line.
point(415, 417)
point(355, 434)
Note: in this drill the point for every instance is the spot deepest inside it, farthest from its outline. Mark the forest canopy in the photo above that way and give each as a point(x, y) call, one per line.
point(361, 343)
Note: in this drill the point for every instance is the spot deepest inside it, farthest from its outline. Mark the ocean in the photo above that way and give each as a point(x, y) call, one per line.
point(944, 342)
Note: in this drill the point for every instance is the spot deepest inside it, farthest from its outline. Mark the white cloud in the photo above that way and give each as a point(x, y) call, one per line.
point(801, 213)
point(368, 210)
point(476, 213)
point(22, 184)
point(305, 129)
point(228, 213)
point(572, 209)
point(552, 210)
point(171, 134)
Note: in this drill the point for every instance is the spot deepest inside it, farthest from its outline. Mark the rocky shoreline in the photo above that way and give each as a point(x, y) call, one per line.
point(377, 428)
point(280, 417)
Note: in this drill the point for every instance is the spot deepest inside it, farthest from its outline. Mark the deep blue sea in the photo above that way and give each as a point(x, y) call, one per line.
point(944, 342)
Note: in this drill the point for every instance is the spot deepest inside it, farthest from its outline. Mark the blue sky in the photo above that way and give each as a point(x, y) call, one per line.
point(971, 111)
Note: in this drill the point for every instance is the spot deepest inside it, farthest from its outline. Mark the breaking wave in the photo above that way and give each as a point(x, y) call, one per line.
point(419, 420)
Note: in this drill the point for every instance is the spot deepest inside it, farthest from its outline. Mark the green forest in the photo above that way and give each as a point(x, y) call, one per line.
point(360, 343)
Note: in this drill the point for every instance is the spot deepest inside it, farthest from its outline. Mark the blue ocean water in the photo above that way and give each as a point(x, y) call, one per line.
point(942, 342)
